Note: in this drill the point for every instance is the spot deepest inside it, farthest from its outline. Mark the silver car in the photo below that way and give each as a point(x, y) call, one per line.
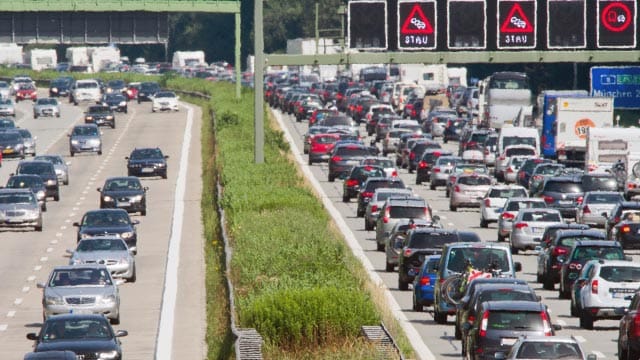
point(511, 171)
point(46, 107)
point(28, 141)
point(109, 250)
point(511, 209)
point(20, 208)
point(7, 107)
point(546, 347)
point(380, 195)
point(594, 204)
point(443, 166)
point(529, 225)
point(468, 190)
point(84, 289)
point(494, 200)
point(61, 167)
point(85, 138)
point(5, 90)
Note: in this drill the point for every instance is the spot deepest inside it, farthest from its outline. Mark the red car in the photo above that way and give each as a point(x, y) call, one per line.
point(132, 91)
point(26, 92)
point(321, 147)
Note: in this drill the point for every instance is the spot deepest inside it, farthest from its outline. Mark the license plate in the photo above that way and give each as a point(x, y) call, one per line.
point(123, 204)
point(508, 341)
point(565, 202)
point(147, 170)
point(537, 230)
point(619, 295)
point(7, 151)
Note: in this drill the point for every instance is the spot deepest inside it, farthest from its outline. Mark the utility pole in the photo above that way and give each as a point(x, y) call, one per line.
point(259, 83)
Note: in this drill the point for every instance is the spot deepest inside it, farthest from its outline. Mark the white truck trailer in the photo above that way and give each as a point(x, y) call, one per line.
point(78, 56)
point(103, 56)
point(10, 54)
point(182, 59)
point(41, 59)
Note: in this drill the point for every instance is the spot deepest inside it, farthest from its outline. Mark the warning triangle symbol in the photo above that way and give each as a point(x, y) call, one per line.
point(516, 21)
point(416, 23)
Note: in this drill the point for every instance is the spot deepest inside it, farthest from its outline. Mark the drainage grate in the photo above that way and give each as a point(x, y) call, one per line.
point(384, 342)
point(248, 345)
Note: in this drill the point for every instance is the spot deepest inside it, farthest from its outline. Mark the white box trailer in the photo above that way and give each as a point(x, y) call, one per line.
point(605, 146)
point(103, 56)
point(182, 59)
point(77, 56)
point(41, 59)
point(457, 76)
point(10, 54)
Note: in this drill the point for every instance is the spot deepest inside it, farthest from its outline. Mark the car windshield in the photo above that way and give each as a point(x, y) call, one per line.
point(19, 182)
point(604, 198)
point(517, 205)
point(384, 163)
point(550, 169)
point(568, 241)
point(515, 320)
point(9, 136)
point(606, 183)
point(122, 184)
point(146, 154)
point(36, 168)
point(519, 151)
point(115, 97)
point(325, 139)
point(25, 133)
point(87, 85)
point(65, 330)
point(80, 277)
point(85, 131)
point(516, 140)
point(507, 193)
point(47, 101)
point(480, 257)
point(99, 109)
point(549, 350)
point(563, 187)
point(6, 102)
point(53, 159)
point(407, 212)
point(105, 219)
point(89, 245)
point(474, 180)
point(620, 273)
point(503, 294)
point(165, 94)
point(22, 198)
point(541, 216)
point(428, 240)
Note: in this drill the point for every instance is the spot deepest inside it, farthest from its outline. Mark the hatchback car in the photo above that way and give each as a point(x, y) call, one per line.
point(540, 172)
point(378, 198)
point(548, 347)
point(396, 208)
point(111, 251)
point(81, 289)
point(511, 171)
point(596, 207)
point(86, 335)
point(463, 168)
point(468, 190)
point(494, 199)
point(528, 227)
point(441, 169)
point(512, 150)
point(11, 143)
point(427, 162)
point(563, 193)
point(382, 161)
point(46, 171)
point(524, 174)
point(164, 101)
point(147, 90)
point(59, 165)
point(344, 157)
point(424, 283)
point(85, 138)
point(33, 182)
point(44, 107)
point(500, 323)
point(147, 162)
point(28, 141)
point(20, 208)
point(115, 102)
point(26, 91)
point(509, 211)
point(629, 330)
point(626, 210)
point(358, 175)
point(108, 222)
point(397, 236)
point(124, 192)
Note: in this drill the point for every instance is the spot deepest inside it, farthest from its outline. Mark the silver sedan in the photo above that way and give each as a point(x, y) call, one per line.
point(594, 204)
point(46, 107)
point(108, 250)
point(468, 190)
point(60, 166)
point(88, 289)
point(529, 225)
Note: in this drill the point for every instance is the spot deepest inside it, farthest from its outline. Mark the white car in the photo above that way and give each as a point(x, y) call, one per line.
point(594, 204)
point(494, 200)
point(165, 100)
point(606, 290)
point(7, 107)
point(509, 151)
point(511, 171)
point(5, 90)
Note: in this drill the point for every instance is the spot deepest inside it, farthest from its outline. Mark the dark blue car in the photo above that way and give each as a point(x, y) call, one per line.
point(424, 283)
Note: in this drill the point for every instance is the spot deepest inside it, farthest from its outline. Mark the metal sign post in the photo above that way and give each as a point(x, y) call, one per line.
point(259, 83)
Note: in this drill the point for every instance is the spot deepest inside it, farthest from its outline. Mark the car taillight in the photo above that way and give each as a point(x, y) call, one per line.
point(352, 182)
point(452, 178)
point(487, 202)
point(336, 158)
point(559, 251)
point(471, 319)
point(502, 157)
point(366, 194)
point(385, 218)
point(359, 108)
point(374, 208)
point(635, 326)
point(625, 229)
point(586, 210)
point(579, 200)
point(594, 286)
point(546, 323)
point(483, 324)
point(300, 109)
point(509, 169)
point(631, 185)
point(520, 175)
point(423, 165)
point(425, 280)
point(508, 216)
point(548, 199)
point(520, 225)
point(456, 188)
point(394, 173)
point(436, 170)
point(407, 252)
point(412, 155)
point(486, 151)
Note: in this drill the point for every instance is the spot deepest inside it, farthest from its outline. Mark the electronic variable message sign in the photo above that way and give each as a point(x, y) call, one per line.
point(367, 25)
point(566, 24)
point(467, 24)
point(417, 25)
point(517, 24)
point(616, 24)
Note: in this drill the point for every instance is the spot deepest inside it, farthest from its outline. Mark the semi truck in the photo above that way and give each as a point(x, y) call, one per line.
point(501, 96)
point(565, 126)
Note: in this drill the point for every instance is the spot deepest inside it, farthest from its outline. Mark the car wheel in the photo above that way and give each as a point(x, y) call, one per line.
point(99, 152)
point(360, 212)
point(379, 247)
point(439, 317)
point(35, 116)
point(58, 115)
point(432, 186)
point(39, 227)
point(331, 178)
point(133, 277)
point(56, 197)
point(125, 111)
point(389, 267)
point(548, 284)
point(562, 294)
point(631, 354)
point(417, 307)
point(418, 181)
point(44, 207)
point(113, 126)
point(446, 193)
point(71, 153)
point(483, 223)
point(310, 162)
point(368, 226)
point(66, 182)
point(456, 332)
point(501, 238)
point(514, 250)
point(573, 309)
point(539, 278)
point(402, 285)
point(586, 320)
point(453, 208)
point(143, 212)
point(345, 198)
point(164, 175)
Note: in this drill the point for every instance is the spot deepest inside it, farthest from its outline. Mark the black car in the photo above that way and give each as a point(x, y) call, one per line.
point(46, 171)
point(526, 169)
point(89, 336)
point(147, 162)
point(115, 102)
point(346, 156)
point(11, 143)
point(108, 222)
point(117, 86)
point(369, 187)
point(554, 249)
point(100, 115)
point(147, 90)
point(124, 192)
point(621, 212)
point(563, 193)
point(359, 174)
point(60, 87)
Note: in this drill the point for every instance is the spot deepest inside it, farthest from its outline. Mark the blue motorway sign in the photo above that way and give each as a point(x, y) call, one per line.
point(620, 82)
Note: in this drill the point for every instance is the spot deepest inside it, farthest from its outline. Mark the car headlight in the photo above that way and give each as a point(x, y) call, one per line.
point(123, 260)
point(40, 195)
point(127, 235)
point(161, 165)
point(109, 117)
point(122, 103)
point(59, 172)
point(18, 146)
point(53, 300)
point(136, 198)
point(94, 142)
point(108, 355)
point(109, 299)
point(51, 182)
point(85, 236)
point(55, 90)
point(76, 262)
point(107, 198)
point(89, 118)
point(74, 142)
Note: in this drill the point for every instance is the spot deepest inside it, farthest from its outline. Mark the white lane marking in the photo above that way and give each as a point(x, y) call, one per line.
point(58, 234)
point(164, 341)
point(63, 227)
point(44, 259)
point(450, 224)
point(599, 354)
point(3, 327)
point(49, 249)
point(82, 198)
point(579, 338)
point(561, 322)
point(26, 289)
point(37, 268)
point(17, 301)
point(67, 221)
point(53, 242)
point(31, 278)
point(11, 314)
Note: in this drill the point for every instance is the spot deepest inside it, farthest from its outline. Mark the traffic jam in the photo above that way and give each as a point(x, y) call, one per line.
point(505, 227)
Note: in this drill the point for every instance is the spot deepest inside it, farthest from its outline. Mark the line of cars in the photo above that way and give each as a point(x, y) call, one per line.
point(81, 299)
point(534, 210)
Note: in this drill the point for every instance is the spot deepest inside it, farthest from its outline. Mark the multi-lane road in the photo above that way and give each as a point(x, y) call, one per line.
point(169, 233)
point(440, 338)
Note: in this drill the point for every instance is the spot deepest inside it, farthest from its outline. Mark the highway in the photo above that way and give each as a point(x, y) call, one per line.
point(602, 341)
point(27, 256)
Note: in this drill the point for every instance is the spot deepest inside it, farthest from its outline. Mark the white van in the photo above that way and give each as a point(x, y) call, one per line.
point(516, 135)
point(85, 90)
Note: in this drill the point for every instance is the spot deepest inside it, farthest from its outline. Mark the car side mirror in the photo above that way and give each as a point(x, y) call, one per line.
point(41, 285)
point(32, 336)
point(435, 218)
point(119, 281)
point(121, 333)
point(126, 158)
point(76, 224)
point(499, 355)
point(146, 188)
point(135, 222)
point(133, 250)
point(604, 214)
point(518, 266)
point(69, 252)
point(166, 156)
point(98, 189)
point(538, 298)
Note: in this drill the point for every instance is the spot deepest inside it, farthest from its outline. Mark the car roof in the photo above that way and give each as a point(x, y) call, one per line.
point(502, 281)
point(607, 243)
point(525, 199)
point(83, 266)
point(14, 191)
point(603, 262)
point(122, 178)
point(478, 245)
point(578, 232)
point(106, 211)
point(630, 204)
point(514, 305)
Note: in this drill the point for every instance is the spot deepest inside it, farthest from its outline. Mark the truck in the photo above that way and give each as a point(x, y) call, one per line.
point(607, 146)
point(41, 59)
point(10, 54)
point(103, 56)
point(565, 126)
point(545, 103)
point(434, 78)
point(182, 59)
point(501, 96)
